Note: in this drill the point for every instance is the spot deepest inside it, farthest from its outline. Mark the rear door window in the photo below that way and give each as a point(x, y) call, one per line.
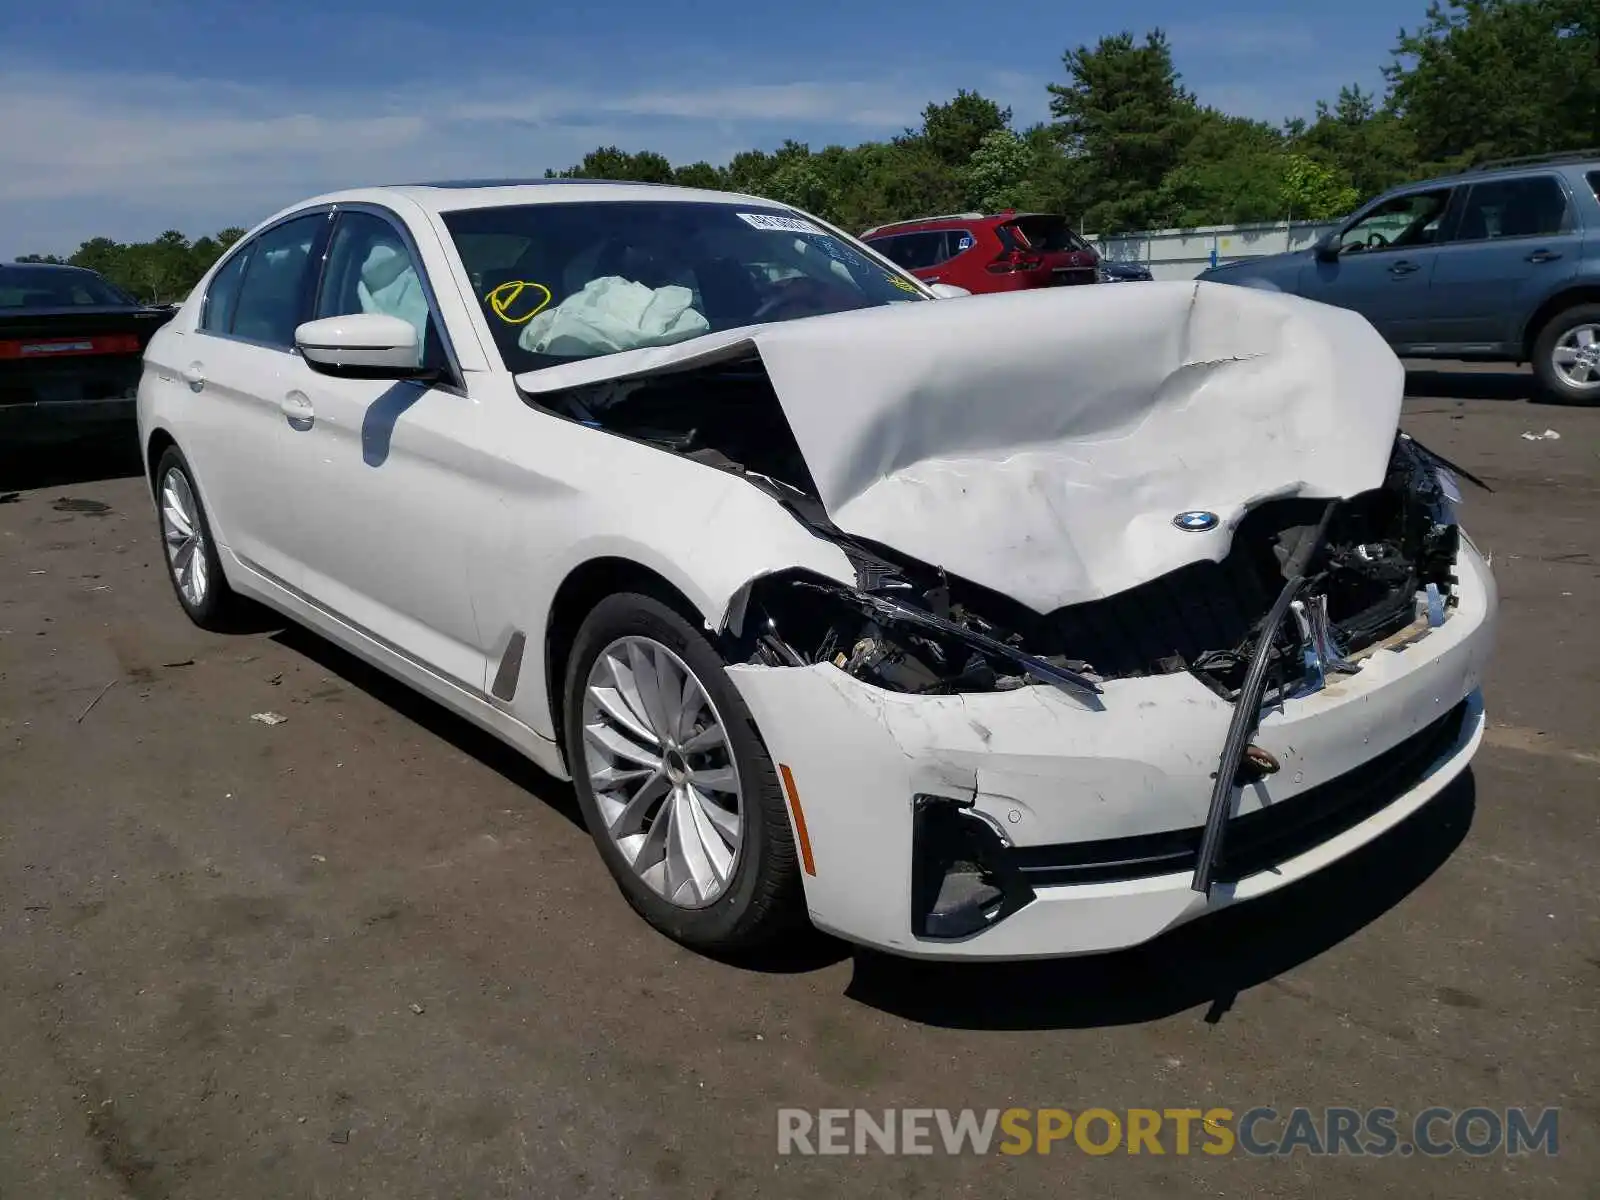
point(222, 297)
point(1532, 206)
point(275, 293)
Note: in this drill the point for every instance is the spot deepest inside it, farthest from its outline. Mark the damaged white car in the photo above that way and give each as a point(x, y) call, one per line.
point(1029, 626)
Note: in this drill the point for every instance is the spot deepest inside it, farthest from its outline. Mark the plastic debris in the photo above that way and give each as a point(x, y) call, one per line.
point(418, 1009)
point(269, 718)
point(1549, 435)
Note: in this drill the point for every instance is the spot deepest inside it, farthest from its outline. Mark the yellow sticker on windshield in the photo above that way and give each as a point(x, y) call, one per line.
point(507, 301)
point(904, 284)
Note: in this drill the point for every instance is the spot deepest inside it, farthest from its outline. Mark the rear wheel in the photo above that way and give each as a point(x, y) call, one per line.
point(1566, 356)
point(190, 551)
point(675, 784)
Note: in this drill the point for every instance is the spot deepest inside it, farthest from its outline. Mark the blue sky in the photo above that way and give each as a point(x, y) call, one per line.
point(127, 118)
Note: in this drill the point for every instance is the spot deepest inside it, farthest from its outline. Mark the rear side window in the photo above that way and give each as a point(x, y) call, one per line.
point(914, 251)
point(1533, 206)
point(222, 297)
point(272, 298)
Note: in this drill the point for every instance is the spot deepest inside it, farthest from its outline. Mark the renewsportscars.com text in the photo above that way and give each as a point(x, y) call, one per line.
point(1261, 1131)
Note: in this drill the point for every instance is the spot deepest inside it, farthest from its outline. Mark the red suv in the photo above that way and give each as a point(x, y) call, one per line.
point(1002, 253)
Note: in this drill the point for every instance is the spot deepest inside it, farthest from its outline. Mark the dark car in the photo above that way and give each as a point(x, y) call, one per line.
point(1498, 264)
point(1001, 252)
point(1124, 272)
point(71, 350)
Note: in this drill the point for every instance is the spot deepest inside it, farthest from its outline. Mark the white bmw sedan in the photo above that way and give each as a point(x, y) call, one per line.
point(1011, 627)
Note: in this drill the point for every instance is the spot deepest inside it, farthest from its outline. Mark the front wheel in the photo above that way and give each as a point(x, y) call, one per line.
point(1566, 356)
point(675, 784)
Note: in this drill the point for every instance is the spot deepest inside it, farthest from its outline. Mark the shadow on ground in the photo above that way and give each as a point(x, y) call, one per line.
point(110, 455)
point(1445, 383)
point(805, 950)
point(433, 717)
point(1208, 962)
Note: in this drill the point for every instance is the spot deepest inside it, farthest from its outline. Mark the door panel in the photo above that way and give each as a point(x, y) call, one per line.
point(235, 368)
point(1385, 264)
point(391, 510)
point(1516, 242)
point(1389, 289)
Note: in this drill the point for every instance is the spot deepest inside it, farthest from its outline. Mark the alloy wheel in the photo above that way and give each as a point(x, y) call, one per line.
point(662, 771)
point(1576, 356)
point(184, 537)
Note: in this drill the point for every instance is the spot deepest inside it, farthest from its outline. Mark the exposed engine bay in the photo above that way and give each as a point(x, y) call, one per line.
point(1383, 561)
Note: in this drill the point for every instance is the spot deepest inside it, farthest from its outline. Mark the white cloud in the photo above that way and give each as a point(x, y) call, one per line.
point(170, 152)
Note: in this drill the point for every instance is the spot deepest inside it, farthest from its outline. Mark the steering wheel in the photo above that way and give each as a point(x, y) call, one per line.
point(799, 294)
point(1376, 240)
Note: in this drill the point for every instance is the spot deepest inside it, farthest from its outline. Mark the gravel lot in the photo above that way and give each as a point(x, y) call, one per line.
point(368, 952)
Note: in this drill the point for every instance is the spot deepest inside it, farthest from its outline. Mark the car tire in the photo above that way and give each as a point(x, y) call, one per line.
point(1556, 338)
point(188, 549)
point(758, 895)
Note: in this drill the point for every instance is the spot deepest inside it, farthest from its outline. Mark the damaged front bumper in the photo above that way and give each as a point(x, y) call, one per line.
point(1032, 823)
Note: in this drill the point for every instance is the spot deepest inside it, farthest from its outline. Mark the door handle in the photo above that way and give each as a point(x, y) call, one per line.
point(1403, 268)
point(195, 376)
point(297, 410)
point(1543, 256)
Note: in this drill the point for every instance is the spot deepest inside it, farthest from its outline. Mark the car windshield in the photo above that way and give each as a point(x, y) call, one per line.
point(52, 287)
point(564, 281)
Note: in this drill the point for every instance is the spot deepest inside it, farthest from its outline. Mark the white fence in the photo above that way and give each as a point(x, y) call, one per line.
point(1184, 253)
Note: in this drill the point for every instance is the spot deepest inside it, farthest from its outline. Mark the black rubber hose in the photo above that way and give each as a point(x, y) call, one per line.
point(1247, 708)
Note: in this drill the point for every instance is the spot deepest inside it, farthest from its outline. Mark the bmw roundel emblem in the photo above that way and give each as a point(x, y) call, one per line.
point(1195, 521)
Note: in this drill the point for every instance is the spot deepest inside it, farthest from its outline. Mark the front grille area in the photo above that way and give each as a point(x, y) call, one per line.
point(1258, 840)
point(1068, 276)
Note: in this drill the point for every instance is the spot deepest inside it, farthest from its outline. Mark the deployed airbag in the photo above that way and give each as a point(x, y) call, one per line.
point(389, 285)
point(612, 314)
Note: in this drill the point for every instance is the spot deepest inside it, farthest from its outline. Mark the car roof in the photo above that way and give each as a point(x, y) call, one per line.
point(952, 221)
point(1531, 166)
point(454, 195)
point(47, 266)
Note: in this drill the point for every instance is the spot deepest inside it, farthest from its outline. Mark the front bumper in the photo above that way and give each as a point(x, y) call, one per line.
point(1051, 775)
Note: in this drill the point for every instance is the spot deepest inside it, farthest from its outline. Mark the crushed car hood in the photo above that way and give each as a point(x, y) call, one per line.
point(1044, 444)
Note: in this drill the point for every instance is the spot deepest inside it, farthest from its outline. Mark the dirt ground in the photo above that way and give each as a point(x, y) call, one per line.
point(368, 952)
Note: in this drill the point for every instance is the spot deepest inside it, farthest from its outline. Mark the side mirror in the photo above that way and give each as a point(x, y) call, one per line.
point(948, 291)
point(1327, 248)
point(365, 345)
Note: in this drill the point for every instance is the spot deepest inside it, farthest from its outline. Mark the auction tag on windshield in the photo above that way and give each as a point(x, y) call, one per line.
point(778, 224)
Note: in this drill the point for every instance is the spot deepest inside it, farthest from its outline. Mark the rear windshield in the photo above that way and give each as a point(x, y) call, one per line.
point(1047, 234)
point(51, 287)
point(559, 282)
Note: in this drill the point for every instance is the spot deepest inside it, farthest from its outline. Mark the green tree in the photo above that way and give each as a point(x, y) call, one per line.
point(1497, 78)
point(1371, 147)
point(953, 131)
point(698, 175)
point(1312, 191)
point(1229, 171)
point(1125, 110)
point(997, 175)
